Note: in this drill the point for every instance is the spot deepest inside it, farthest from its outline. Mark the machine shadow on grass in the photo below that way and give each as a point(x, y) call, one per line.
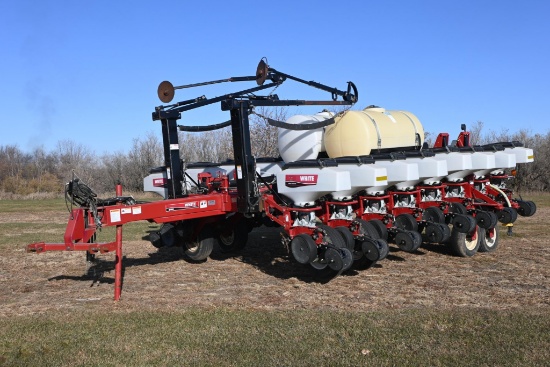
point(264, 251)
point(96, 270)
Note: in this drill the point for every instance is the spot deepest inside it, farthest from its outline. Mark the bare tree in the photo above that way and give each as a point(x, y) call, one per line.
point(72, 156)
point(263, 136)
point(144, 155)
point(476, 137)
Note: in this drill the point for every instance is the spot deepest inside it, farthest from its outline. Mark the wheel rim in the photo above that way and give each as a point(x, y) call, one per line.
point(490, 237)
point(471, 240)
point(227, 239)
point(192, 246)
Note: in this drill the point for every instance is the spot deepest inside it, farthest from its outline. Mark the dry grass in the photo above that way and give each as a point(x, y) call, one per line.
point(425, 308)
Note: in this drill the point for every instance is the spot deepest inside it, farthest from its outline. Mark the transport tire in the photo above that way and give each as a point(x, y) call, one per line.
point(165, 237)
point(507, 215)
point(200, 248)
point(232, 239)
point(464, 244)
point(433, 214)
point(303, 248)
point(380, 228)
point(347, 236)
point(407, 222)
point(488, 239)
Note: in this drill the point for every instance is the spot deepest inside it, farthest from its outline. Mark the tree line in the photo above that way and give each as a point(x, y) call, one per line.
point(42, 173)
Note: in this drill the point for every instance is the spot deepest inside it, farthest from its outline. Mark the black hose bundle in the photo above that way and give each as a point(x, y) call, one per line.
point(79, 193)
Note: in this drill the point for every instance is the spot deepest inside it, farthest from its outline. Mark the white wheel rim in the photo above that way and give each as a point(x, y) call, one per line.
point(491, 237)
point(471, 241)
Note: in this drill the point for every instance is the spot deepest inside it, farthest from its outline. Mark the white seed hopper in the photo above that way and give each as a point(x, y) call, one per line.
point(458, 164)
point(503, 160)
point(430, 170)
point(401, 174)
point(363, 177)
point(304, 185)
point(523, 155)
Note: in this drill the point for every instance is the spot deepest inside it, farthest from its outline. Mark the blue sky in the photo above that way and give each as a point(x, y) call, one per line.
point(89, 71)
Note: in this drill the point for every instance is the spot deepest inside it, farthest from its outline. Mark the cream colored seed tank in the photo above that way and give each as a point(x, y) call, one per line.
point(362, 132)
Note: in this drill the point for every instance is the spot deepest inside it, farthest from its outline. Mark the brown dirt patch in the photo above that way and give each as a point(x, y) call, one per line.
point(264, 277)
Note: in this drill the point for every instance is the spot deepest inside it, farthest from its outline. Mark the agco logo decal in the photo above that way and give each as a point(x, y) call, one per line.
point(191, 205)
point(300, 180)
point(159, 182)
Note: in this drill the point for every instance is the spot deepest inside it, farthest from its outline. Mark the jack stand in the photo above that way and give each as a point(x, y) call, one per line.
point(510, 227)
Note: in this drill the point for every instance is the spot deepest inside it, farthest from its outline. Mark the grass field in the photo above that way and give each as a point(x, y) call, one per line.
point(259, 309)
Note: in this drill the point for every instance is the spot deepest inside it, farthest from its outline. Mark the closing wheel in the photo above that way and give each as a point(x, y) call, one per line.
point(405, 241)
point(367, 229)
point(433, 233)
point(319, 263)
point(446, 232)
point(464, 223)
point(375, 250)
point(433, 214)
point(371, 250)
point(200, 248)
point(526, 208)
point(347, 258)
point(331, 236)
point(507, 215)
point(417, 240)
point(334, 259)
point(458, 208)
point(233, 239)
point(384, 248)
point(347, 236)
point(406, 221)
point(533, 206)
point(464, 244)
point(380, 228)
point(486, 219)
point(303, 248)
point(488, 239)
